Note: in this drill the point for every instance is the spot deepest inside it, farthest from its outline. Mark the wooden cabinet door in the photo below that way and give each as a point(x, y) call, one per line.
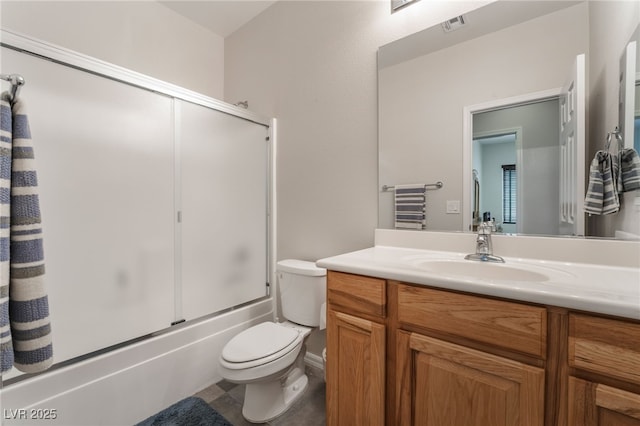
point(443, 384)
point(355, 371)
point(594, 404)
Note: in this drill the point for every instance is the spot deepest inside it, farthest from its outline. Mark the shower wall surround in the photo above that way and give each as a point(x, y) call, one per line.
point(155, 199)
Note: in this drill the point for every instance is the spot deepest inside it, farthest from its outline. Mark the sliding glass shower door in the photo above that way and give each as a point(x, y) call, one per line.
point(154, 209)
point(224, 190)
point(105, 162)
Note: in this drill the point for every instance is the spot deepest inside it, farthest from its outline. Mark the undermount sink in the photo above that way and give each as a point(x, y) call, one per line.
point(481, 270)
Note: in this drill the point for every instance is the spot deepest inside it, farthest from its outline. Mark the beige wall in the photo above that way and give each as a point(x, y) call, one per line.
point(142, 36)
point(312, 65)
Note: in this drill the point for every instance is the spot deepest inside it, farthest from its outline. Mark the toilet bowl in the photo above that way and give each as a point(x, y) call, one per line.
point(262, 351)
point(269, 357)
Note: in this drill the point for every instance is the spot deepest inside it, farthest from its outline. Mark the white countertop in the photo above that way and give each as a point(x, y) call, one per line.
point(612, 290)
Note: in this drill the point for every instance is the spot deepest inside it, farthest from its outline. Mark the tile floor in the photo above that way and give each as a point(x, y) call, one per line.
point(226, 398)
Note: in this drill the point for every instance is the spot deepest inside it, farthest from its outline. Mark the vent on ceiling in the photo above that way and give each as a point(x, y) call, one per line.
point(453, 23)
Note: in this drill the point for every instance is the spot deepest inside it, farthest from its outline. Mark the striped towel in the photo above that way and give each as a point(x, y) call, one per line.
point(6, 348)
point(629, 170)
point(26, 344)
point(602, 192)
point(410, 202)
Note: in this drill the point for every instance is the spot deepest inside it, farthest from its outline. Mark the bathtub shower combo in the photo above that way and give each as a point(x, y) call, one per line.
point(155, 208)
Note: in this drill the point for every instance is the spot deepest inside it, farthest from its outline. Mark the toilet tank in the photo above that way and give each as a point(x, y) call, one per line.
point(303, 289)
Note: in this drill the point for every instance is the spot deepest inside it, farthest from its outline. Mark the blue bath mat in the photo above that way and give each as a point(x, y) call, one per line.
point(192, 411)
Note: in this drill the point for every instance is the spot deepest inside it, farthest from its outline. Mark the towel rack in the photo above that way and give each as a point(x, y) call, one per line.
point(16, 81)
point(618, 136)
point(437, 185)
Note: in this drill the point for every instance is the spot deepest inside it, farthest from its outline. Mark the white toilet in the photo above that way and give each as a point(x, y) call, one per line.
point(269, 357)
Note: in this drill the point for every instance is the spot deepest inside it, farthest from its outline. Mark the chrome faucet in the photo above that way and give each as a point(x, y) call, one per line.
point(484, 248)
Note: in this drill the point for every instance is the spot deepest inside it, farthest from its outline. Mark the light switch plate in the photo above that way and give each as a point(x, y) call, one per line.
point(453, 206)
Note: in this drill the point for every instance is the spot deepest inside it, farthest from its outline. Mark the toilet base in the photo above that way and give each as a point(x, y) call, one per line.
point(267, 400)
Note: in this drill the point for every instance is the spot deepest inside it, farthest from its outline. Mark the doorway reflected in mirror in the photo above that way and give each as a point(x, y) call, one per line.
point(527, 137)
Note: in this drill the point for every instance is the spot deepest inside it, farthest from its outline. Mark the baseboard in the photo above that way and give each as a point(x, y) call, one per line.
point(314, 361)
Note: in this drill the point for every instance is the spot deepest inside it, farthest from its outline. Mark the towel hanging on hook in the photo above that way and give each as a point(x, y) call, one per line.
point(26, 340)
point(625, 164)
point(602, 191)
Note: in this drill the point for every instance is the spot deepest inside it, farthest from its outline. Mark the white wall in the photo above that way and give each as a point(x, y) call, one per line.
point(143, 36)
point(312, 64)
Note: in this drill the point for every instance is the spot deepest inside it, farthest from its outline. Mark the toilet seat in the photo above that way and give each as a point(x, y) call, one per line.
point(259, 345)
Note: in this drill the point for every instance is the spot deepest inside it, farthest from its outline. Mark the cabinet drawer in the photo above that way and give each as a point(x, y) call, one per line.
point(357, 293)
point(606, 346)
point(508, 325)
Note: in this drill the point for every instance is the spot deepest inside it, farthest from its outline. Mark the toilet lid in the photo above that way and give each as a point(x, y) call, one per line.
point(259, 341)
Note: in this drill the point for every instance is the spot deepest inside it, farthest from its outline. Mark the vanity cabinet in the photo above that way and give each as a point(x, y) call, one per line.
point(406, 354)
point(604, 357)
point(448, 372)
point(356, 336)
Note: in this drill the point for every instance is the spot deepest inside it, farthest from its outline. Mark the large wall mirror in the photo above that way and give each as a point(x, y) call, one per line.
point(630, 92)
point(486, 109)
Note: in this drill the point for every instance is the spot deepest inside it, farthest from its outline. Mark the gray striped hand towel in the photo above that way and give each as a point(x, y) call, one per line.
point(410, 206)
point(602, 192)
point(30, 327)
point(629, 177)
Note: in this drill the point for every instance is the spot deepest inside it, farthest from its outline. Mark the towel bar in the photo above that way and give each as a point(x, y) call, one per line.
point(437, 185)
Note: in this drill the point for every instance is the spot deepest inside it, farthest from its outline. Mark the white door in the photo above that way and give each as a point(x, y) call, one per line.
point(626, 105)
point(572, 151)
